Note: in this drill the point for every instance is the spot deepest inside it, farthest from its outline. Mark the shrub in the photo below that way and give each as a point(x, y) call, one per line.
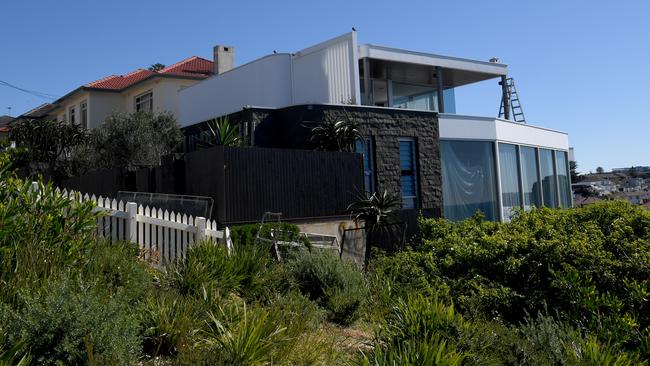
point(46, 145)
point(40, 232)
point(67, 322)
point(117, 269)
point(589, 265)
point(131, 140)
point(244, 235)
point(169, 322)
point(243, 336)
point(415, 353)
point(209, 268)
point(337, 285)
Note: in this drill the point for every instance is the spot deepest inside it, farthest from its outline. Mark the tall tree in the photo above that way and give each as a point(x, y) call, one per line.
point(134, 140)
point(600, 170)
point(47, 145)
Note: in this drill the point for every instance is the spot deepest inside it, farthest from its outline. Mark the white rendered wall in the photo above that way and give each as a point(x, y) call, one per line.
point(101, 105)
point(327, 72)
point(481, 128)
point(265, 82)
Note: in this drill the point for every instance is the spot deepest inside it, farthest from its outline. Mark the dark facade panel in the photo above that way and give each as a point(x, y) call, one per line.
point(247, 182)
point(290, 128)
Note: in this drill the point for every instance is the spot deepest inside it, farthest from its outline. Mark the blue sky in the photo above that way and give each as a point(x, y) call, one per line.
point(580, 66)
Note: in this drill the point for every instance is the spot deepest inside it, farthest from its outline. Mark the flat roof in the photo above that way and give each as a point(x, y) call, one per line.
point(481, 70)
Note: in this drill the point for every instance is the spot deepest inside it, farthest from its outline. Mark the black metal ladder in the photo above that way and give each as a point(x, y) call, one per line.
point(512, 98)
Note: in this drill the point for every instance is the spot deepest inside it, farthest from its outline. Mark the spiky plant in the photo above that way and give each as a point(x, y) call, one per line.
point(223, 133)
point(336, 134)
point(375, 210)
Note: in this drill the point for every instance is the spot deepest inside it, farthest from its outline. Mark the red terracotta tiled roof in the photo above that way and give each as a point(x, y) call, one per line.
point(119, 82)
point(195, 67)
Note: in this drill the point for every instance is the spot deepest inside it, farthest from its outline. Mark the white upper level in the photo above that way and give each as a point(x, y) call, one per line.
point(329, 73)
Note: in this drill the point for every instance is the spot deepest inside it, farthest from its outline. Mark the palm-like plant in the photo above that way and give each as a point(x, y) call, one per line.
point(223, 133)
point(336, 134)
point(375, 210)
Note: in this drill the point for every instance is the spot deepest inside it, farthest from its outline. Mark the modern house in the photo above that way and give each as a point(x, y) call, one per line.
point(140, 90)
point(416, 146)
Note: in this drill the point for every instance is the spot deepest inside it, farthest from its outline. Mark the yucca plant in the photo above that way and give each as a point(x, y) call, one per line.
point(336, 134)
point(377, 211)
point(241, 336)
point(431, 352)
point(223, 133)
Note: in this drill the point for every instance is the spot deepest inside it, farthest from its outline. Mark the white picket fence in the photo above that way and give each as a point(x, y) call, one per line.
point(163, 236)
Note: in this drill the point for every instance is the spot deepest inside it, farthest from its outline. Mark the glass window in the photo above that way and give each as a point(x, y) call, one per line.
point(365, 147)
point(83, 109)
point(549, 179)
point(409, 177)
point(530, 177)
point(468, 179)
point(563, 178)
point(72, 114)
point(509, 173)
point(144, 102)
point(450, 100)
point(411, 96)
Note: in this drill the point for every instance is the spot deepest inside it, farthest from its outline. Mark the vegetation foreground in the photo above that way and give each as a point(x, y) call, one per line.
point(550, 288)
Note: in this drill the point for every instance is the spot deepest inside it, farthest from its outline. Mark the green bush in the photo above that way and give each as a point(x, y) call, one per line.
point(239, 335)
point(591, 266)
point(169, 322)
point(209, 268)
point(244, 235)
point(40, 233)
point(67, 322)
point(335, 284)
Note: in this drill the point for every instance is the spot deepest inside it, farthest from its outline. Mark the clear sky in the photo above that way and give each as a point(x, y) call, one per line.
point(580, 66)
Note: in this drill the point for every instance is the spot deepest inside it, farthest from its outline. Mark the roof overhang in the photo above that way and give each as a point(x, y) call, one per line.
point(457, 71)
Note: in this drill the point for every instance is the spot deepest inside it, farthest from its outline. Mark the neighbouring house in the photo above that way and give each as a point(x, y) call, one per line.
point(139, 90)
point(4, 126)
point(416, 145)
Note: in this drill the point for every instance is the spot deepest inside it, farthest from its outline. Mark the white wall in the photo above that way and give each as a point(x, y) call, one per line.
point(265, 82)
point(165, 94)
point(483, 128)
point(327, 72)
point(101, 105)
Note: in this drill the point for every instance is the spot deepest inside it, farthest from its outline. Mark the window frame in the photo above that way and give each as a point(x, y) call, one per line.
point(83, 113)
point(72, 114)
point(414, 172)
point(368, 147)
point(136, 103)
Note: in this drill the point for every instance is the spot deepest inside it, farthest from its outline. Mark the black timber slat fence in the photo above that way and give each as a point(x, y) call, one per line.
point(244, 182)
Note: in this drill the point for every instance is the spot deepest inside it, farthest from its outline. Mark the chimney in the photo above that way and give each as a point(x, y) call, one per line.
point(224, 58)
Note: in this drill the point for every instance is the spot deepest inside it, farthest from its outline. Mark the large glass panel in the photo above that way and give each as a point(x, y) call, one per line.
point(408, 168)
point(530, 177)
point(450, 100)
point(365, 147)
point(549, 180)
point(411, 96)
point(468, 179)
point(563, 178)
point(509, 166)
point(379, 92)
